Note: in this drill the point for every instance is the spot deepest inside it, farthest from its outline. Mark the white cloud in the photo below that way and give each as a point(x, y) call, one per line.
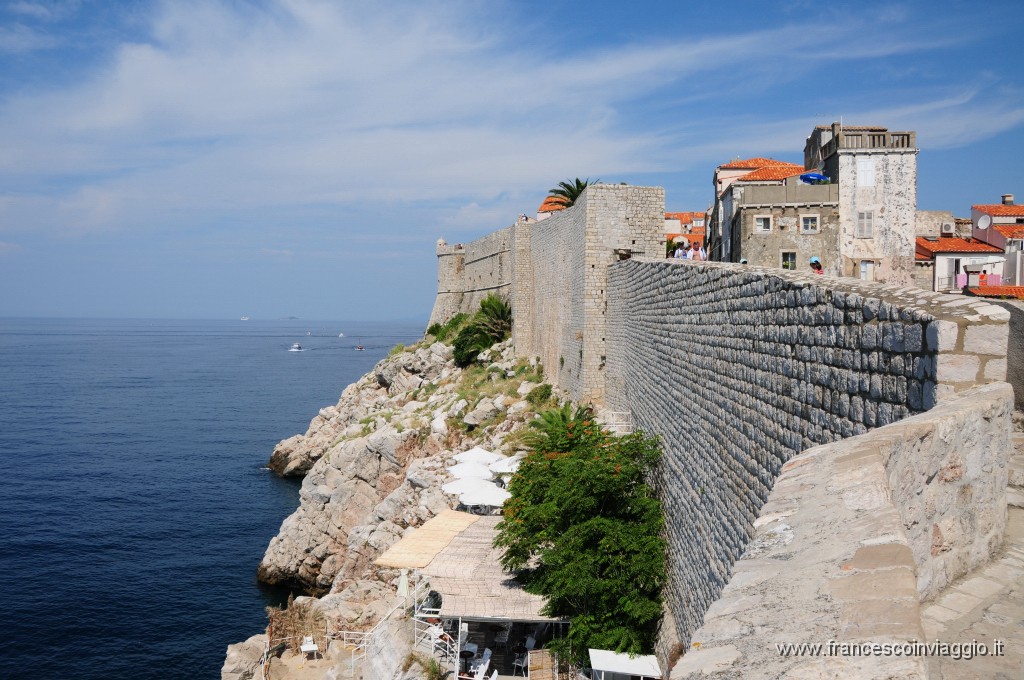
point(20, 38)
point(232, 107)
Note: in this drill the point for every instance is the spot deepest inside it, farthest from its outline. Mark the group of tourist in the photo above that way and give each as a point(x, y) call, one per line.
point(690, 251)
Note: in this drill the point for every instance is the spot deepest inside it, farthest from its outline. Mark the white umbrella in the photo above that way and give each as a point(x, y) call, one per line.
point(492, 496)
point(506, 465)
point(466, 470)
point(478, 454)
point(468, 485)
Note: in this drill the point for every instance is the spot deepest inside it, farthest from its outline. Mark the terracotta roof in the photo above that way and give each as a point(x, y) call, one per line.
point(772, 173)
point(1000, 210)
point(684, 217)
point(952, 245)
point(998, 291)
point(550, 204)
point(1010, 230)
point(752, 164)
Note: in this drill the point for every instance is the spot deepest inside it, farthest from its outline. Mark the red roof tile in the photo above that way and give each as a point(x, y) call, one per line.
point(1000, 210)
point(752, 164)
point(1010, 230)
point(684, 217)
point(998, 291)
point(953, 245)
point(772, 173)
point(550, 204)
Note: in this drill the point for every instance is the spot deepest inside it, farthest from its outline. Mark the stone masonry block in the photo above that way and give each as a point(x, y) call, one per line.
point(987, 339)
point(954, 368)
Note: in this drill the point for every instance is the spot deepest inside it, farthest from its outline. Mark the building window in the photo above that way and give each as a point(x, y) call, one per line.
point(867, 270)
point(866, 172)
point(789, 260)
point(865, 228)
point(762, 224)
point(698, 223)
point(808, 224)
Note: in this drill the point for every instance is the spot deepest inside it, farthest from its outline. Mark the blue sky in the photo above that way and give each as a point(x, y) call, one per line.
point(208, 159)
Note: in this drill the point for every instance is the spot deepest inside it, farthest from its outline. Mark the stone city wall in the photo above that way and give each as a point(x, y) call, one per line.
point(467, 273)
point(555, 272)
point(854, 536)
point(739, 369)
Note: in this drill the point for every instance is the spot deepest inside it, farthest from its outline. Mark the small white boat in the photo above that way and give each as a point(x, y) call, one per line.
point(341, 335)
point(296, 347)
point(359, 348)
point(244, 318)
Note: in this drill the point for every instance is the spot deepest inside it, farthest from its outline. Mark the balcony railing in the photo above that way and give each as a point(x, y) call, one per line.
point(868, 140)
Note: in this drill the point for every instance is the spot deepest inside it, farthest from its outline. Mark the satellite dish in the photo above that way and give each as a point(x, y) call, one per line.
point(984, 222)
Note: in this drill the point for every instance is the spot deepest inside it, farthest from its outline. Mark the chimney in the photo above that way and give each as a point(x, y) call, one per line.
point(1007, 199)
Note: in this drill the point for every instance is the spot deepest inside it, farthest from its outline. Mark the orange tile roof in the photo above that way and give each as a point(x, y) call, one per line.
point(550, 204)
point(1010, 230)
point(998, 291)
point(952, 245)
point(1000, 210)
point(684, 217)
point(772, 173)
point(752, 164)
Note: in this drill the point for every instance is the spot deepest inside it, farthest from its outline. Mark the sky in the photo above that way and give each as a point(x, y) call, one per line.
point(271, 158)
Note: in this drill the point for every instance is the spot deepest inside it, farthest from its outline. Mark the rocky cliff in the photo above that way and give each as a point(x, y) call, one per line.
point(374, 464)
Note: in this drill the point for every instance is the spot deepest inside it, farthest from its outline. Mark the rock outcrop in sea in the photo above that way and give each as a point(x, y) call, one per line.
point(373, 467)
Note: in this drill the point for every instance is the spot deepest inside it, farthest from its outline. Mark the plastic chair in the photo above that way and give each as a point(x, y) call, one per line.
point(519, 664)
point(308, 646)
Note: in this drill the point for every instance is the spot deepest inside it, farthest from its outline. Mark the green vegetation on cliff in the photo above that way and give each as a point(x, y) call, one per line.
point(584, 529)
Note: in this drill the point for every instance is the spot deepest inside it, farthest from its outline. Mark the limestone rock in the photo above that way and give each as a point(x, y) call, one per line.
point(484, 410)
point(243, 659)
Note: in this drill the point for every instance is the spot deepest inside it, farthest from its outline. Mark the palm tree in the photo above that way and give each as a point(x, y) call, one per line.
point(566, 193)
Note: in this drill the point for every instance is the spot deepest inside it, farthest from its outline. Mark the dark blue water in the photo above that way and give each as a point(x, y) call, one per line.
point(133, 496)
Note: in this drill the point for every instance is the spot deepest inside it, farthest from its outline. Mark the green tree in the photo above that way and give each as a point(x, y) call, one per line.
point(584, 529)
point(566, 193)
point(491, 324)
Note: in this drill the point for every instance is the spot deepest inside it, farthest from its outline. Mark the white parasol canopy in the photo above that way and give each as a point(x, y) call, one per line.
point(478, 454)
point(485, 495)
point(506, 465)
point(468, 470)
point(464, 485)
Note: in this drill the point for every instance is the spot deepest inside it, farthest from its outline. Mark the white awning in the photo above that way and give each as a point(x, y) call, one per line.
point(467, 470)
point(604, 661)
point(478, 454)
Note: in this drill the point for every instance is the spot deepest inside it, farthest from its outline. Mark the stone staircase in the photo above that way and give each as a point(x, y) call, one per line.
point(987, 605)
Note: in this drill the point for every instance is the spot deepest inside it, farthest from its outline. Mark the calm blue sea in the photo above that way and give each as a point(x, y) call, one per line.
point(136, 502)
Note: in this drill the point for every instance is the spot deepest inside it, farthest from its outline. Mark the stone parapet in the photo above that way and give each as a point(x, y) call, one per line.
point(847, 546)
point(738, 369)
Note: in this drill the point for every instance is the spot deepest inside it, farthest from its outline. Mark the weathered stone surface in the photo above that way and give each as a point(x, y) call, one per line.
point(863, 583)
point(243, 659)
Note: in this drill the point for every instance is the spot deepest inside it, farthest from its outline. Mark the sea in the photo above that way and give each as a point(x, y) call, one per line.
point(135, 489)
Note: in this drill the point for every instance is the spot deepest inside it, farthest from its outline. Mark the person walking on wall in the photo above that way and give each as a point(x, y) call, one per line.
point(816, 265)
point(680, 253)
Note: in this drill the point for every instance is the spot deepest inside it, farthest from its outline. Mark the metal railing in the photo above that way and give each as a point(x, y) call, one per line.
point(619, 422)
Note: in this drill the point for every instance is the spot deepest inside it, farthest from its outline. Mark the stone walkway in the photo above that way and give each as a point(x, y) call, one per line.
point(988, 604)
